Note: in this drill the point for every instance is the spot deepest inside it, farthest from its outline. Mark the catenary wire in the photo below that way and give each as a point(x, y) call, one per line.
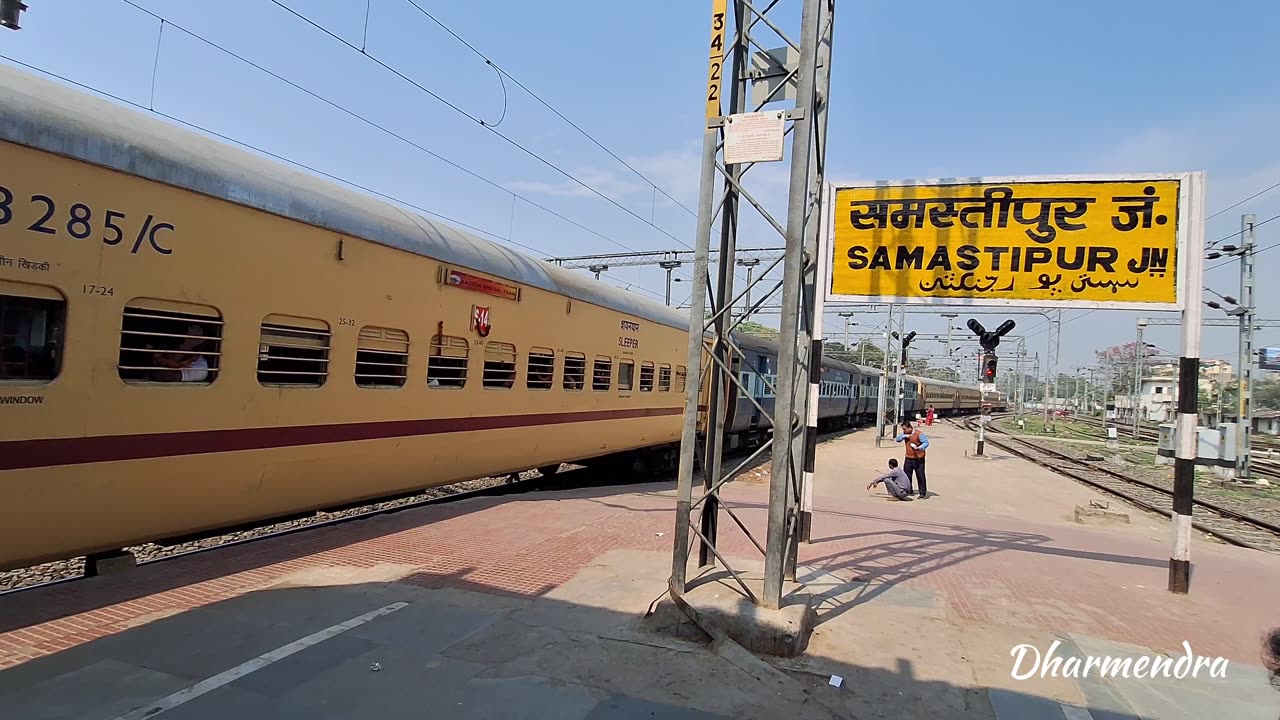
point(550, 107)
point(514, 143)
point(1228, 261)
point(296, 163)
point(1238, 204)
point(376, 125)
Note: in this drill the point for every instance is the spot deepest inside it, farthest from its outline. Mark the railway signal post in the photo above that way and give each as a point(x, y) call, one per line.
point(987, 370)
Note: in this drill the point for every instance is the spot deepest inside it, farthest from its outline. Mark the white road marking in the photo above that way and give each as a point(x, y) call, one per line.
point(1075, 713)
point(229, 676)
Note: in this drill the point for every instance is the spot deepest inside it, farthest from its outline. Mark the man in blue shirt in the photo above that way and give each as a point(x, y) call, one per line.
point(916, 443)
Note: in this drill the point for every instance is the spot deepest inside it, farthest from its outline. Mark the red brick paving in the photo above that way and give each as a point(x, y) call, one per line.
point(989, 570)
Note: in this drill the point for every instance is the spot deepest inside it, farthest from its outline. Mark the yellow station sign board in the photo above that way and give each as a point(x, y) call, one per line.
point(1112, 242)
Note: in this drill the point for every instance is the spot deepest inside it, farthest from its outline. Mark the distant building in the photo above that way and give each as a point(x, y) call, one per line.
point(1213, 374)
point(1265, 422)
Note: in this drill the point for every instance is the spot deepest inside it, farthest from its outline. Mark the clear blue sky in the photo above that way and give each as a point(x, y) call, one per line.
point(926, 89)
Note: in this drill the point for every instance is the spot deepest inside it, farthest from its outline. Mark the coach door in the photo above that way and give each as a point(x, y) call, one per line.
point(758, 388)
point(731, 392)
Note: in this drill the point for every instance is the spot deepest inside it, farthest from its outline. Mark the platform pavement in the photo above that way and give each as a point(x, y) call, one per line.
point(529, 607)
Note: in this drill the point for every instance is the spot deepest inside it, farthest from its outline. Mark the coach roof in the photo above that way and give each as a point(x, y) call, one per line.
point(39, 113)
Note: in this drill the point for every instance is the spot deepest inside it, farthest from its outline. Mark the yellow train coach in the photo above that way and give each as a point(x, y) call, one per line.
point(193, 337)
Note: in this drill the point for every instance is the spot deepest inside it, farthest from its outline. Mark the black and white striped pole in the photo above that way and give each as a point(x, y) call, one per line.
point(1184, 464)
point(822, 275)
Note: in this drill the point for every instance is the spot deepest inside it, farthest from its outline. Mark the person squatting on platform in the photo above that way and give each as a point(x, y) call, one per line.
point(895, 481)
point(916, 444)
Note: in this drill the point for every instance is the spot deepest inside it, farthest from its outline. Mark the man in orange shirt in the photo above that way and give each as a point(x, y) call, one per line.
point(916, 443)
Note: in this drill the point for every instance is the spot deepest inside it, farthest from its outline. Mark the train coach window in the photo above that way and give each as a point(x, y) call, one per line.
point(646, 377)
point(447, 364)
point(542, 369)
point(293, 351)
point(602, 373)
point(664, 378)
point(575, 371)
point(626, 374)
point(382, 357)
point(32, 322)
point(169, 342)
point(499, 365)
point(681, 374)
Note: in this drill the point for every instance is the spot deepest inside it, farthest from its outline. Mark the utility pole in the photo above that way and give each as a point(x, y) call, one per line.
point(1139, 361)
point(750, 264)
point(846, 316)
point(900, 362)
point(950, 321)
point(667, 265)
point(1051, 375)
point(1019, 380)
point(882, 402)
point(1244, 388)
point(1090, 389)
point(1217, 390)
point(737, 48)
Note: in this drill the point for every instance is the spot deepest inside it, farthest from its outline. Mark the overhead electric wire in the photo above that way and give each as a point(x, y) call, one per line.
point(1238, 204)
point(281, 158)
point(1236, 234)
point(550, 107)
point(164, 21)
point(371, 123)
point(477, 120)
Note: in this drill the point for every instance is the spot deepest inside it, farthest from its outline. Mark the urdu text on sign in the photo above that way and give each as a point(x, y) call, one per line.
point(1053, 242)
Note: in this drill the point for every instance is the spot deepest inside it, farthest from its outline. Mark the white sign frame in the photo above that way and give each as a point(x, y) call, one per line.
point(1188, 215)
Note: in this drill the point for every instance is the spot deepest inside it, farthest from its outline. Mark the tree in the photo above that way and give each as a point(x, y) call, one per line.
point(917, 367)
point(1266, 394)
point(1208, 401)
point(943, 373)
point(874, 355)
point(755, 328)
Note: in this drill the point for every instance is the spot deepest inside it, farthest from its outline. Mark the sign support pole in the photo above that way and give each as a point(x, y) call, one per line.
point(1184, 468)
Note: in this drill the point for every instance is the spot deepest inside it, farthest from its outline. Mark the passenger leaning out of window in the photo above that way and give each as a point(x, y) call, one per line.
point(183, 363)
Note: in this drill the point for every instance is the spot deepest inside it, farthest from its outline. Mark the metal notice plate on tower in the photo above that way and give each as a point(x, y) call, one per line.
point(754, 137)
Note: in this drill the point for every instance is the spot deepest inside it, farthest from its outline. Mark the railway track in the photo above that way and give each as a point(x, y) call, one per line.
point(1228, 525)
point(1260, 465)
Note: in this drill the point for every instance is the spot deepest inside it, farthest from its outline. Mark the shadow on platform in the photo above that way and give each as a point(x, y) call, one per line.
point(42, 604)
point(455, 649)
